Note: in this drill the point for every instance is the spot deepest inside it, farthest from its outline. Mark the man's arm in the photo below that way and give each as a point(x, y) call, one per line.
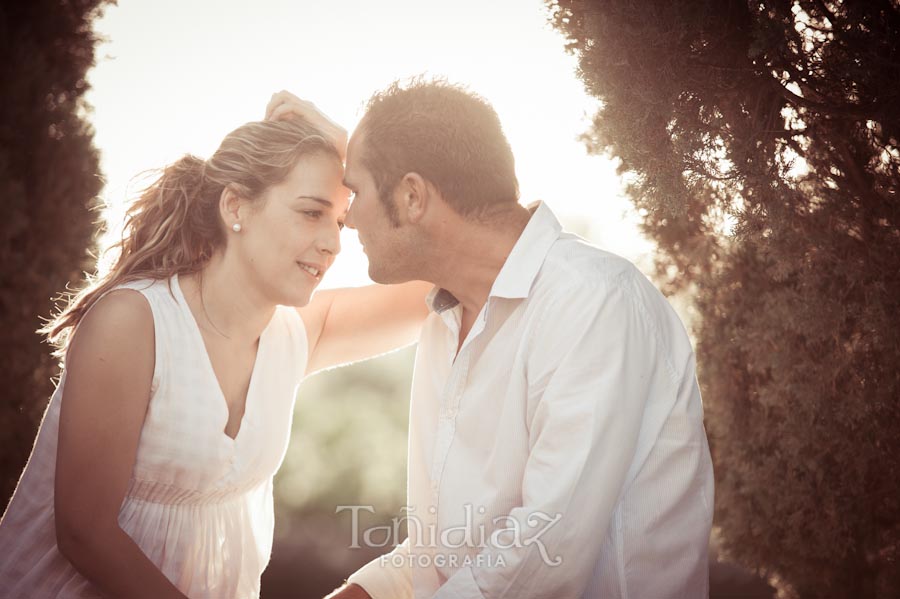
point(595, 366)
point(349, 591)
point(385, 577)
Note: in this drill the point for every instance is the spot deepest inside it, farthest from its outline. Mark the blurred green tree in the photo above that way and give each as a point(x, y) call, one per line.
point(760, 139)
point(348, 440)
point(348, 448)
point(49, 181)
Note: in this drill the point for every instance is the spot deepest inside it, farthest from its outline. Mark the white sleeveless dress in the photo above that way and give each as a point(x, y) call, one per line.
point(199, 503)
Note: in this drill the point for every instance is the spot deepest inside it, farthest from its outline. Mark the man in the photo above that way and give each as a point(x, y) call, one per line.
point(556, 447)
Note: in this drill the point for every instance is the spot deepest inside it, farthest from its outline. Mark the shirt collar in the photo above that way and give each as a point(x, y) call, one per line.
point(521, 266)
point(527, 256)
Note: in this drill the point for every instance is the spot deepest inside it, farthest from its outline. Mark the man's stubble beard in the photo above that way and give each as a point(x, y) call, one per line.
point(404, 264)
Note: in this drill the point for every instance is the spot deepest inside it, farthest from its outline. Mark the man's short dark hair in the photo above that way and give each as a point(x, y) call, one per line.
point(446, 134)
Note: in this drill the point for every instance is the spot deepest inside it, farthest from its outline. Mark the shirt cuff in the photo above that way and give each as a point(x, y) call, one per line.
point(383, 579)
point(461, 585)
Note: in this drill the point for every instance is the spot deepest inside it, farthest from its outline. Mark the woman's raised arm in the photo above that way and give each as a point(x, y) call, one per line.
point(347, 325)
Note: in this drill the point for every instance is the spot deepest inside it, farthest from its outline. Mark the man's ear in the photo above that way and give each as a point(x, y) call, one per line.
point(415, 196)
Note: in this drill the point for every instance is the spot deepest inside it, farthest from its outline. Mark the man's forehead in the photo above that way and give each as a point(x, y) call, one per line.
point(355, 146)
point(353, 168)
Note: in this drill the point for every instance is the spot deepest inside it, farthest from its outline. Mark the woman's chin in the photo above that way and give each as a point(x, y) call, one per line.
point(294, 290)
point(298, 296)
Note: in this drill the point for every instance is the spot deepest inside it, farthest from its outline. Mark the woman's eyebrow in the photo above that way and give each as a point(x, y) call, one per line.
point(314, 198)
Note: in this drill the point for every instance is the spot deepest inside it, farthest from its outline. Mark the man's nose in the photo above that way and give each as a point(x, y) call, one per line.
point(348, 220)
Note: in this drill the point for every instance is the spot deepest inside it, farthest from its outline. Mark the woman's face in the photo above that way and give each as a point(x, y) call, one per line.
point(291, 235)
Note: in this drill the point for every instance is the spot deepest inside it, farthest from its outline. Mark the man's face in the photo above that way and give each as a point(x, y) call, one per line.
point(383, 240)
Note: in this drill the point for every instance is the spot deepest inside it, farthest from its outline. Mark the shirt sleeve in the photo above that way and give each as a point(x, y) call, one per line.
point(387, 576)
point(595, 362)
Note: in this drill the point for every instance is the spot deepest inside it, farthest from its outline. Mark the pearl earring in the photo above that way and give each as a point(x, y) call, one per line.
point(236, 227)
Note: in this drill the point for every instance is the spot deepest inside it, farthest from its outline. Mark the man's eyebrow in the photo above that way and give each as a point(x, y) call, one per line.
point(320, 200)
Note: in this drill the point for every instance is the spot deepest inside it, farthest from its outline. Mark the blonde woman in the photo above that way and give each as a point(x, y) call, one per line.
point(151, 475)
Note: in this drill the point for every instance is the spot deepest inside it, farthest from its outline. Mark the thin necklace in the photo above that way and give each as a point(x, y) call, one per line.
point(203, 305)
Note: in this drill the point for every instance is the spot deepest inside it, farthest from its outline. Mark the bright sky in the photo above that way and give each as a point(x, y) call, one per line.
point(175, 76)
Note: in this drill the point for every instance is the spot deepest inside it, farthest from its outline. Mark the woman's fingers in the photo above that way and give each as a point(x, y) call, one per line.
point(285, 105)
point(286, 98)
point(273, 102)
point(282, 111)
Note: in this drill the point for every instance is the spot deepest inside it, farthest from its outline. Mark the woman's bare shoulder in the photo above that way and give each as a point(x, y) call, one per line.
point(119, 327)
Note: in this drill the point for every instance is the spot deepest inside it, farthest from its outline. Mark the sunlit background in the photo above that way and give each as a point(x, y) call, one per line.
point(175, 77)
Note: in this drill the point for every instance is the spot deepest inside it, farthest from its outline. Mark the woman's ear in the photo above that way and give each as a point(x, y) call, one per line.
point(231, 207)
point(415, 195)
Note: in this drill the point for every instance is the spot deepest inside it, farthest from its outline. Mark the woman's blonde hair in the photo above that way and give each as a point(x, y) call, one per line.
point(174, 226)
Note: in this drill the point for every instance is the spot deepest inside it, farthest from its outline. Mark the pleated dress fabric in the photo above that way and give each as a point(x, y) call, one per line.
point(199, 504)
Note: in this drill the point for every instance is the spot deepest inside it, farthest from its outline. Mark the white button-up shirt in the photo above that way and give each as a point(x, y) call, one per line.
point(561, 452)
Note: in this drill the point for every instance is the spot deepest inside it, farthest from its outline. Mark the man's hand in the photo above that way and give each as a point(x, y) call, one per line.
point(285, 105)
point(350, 591)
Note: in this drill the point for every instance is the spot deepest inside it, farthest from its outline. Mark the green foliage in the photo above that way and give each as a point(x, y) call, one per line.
point(348, 443)
point(761, 142)
point(48, 183)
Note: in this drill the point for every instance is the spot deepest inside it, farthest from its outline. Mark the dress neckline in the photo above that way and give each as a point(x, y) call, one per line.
point(211, 372)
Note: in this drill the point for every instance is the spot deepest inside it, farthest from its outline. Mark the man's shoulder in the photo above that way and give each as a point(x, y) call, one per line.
point(580, 281)
point(577, 275)
point(574, 265)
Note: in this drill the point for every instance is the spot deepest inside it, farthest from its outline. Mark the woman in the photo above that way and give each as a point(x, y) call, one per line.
point(152, 471)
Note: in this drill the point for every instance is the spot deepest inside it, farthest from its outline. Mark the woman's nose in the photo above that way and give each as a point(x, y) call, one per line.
point(330, 241)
